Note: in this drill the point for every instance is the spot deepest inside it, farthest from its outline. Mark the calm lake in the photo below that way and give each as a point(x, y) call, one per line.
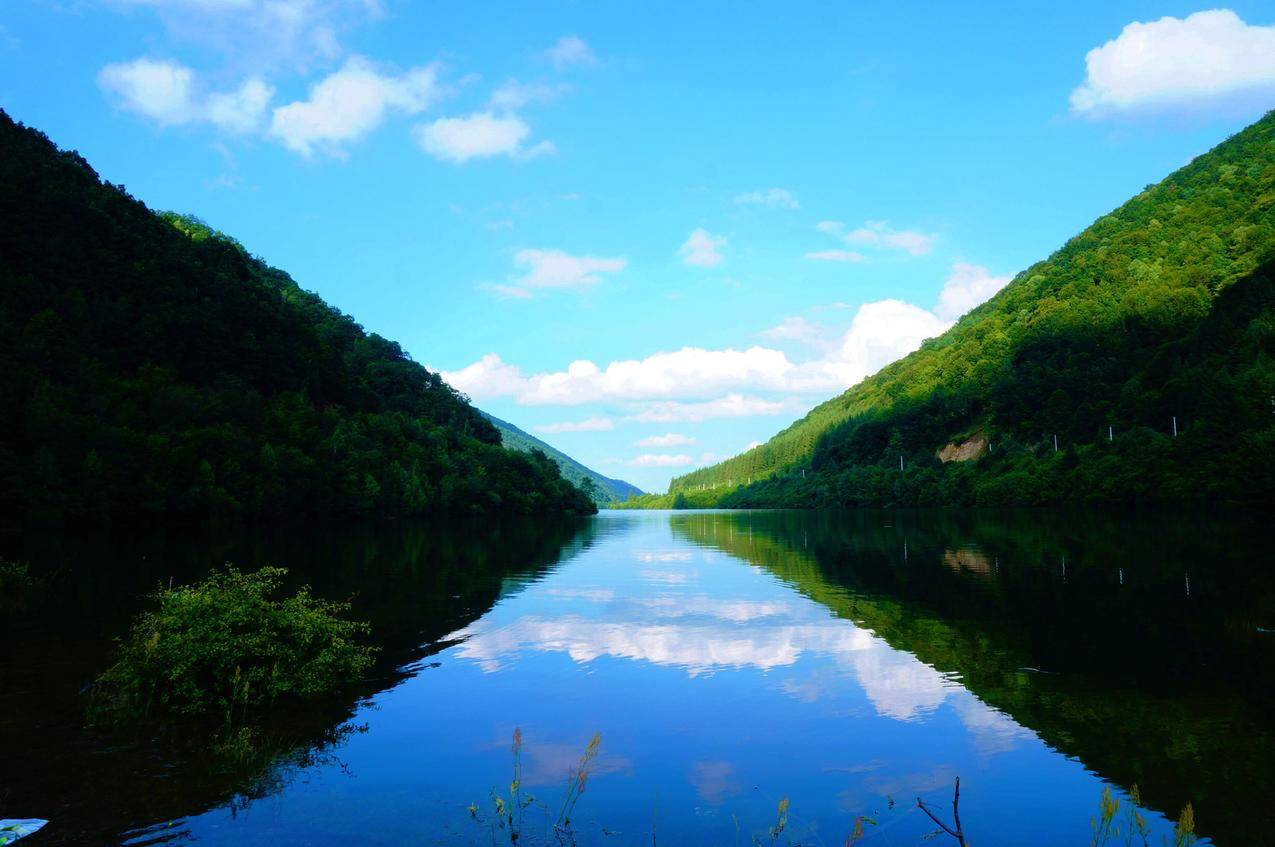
point(849, 662)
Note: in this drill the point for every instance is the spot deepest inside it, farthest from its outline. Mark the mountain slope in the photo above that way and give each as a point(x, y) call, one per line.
point(150, 366)
point(606, 490)
point(1162, 309)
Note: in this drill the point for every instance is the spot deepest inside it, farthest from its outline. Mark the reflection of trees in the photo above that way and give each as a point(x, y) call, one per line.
point(414, 582)
point(1142, 681)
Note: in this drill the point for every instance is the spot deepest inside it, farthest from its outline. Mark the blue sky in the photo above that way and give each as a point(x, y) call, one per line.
point(651, 234)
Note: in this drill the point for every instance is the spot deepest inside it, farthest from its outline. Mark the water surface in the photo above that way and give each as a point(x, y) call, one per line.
point(847, 662)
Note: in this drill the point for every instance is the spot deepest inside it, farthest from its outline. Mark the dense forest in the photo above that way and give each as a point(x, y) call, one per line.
point(151, 366)
point(603, 489)
point(1136, 364)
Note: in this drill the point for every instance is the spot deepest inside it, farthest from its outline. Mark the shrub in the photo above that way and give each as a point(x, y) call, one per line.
point(227, 645)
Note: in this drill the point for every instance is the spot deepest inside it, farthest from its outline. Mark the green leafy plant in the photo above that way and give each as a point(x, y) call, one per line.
point(228, 645)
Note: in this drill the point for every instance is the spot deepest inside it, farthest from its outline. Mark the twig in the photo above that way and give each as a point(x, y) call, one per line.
point(956, 815)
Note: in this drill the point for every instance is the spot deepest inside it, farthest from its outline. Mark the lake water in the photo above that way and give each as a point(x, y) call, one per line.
point(847, 662)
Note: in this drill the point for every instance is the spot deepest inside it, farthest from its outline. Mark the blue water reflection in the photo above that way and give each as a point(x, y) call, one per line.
point(719, 685)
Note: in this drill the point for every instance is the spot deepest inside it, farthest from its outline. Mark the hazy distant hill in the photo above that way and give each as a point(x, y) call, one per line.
point(1069, 383)
point(150, 366)
point(607, 490)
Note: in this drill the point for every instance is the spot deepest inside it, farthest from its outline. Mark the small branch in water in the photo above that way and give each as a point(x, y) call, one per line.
point(956, 833)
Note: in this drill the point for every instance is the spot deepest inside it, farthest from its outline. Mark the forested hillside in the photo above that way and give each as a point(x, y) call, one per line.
point(150, 366)
point(1069, 384)
point(603, 489)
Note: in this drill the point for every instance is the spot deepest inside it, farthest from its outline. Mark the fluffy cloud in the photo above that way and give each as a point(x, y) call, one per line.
point(243, 110)
point(702, 249)
point(1174, 63)
point(349, 104)
point(966, 287)
point(880, 333)
point(672, 439)
point(167, 93)
point(836, 256)
point(661, 460)
point(595, 424)
point(880, 234)
point(570, 50)
point(554, 269)
point(830, 227)
point(775, 198)
point(161, 91)
point(478, 136)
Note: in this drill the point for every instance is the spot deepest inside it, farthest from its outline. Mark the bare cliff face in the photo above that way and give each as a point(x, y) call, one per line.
point(962, 451)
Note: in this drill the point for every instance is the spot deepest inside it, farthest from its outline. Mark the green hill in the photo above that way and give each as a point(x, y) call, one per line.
point(1163, 309)
point(605, 489)
point(151, 366)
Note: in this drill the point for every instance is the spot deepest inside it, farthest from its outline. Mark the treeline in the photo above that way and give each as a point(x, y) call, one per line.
point(151, 366)
point(1162, 309)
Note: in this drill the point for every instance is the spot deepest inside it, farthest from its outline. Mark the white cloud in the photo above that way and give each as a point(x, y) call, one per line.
point(571, 50)
point(241, 111)
point(661, 460)
point(966, 287)
point(702, 249)
point(672, 439)
point(880, 333)
point(881, 234)
point(691, 372)
point(350, 103)
point(478, 136)
point(1205, 58)
point(488, 377)
point(167, 93)
point(752, 445)
point(830, 227)
point(554, 269)
point(161, 91)
point(775, 198)
point(595, 424)
point(514, 94)
point(836, 256)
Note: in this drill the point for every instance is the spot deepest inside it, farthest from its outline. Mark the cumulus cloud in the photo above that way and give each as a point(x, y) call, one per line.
point(694, 384)
point(570, 50)
point(661, 460)
point(350, 103)
point(161, 91)
point(555, 269)
point(702, 249)
point(478, 136)
point(595, 424)
point(881, 234)
point(966, 287)
point(672, 439)
point(167, 93)
point(830, 227)
point(775, 198)
point(836, 256)
point(1208, 58)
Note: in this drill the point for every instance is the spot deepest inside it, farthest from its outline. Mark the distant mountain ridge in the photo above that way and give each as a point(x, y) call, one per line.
point(608, 490)
point(1135, 364)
